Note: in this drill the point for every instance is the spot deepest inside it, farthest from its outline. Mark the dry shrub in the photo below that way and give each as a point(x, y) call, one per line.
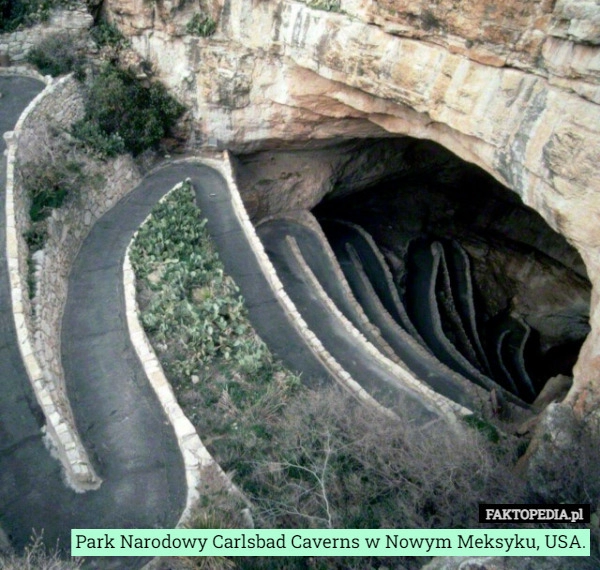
point(36, 557)
point(340, 464)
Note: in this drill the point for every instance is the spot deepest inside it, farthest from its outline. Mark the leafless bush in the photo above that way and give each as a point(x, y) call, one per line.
point(341, 465)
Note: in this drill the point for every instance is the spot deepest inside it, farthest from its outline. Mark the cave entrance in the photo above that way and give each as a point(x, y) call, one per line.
point(507, 296)
point(528, 286)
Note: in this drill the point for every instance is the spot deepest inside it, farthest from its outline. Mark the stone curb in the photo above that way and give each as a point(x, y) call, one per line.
point(60, 425)
point(437, 254)
point(343, 378)
point(448, 409)
point(25, 71)
point(388, 276)
point(196, 457)
point(477, 393)
point(307, 219)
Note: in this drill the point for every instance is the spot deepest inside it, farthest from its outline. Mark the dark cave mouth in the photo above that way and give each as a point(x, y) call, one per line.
point(511, 295)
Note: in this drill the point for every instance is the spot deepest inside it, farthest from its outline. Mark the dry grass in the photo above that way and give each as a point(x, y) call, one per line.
point(36, 557)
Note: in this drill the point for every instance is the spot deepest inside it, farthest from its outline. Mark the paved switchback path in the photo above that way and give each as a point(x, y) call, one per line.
point(127, 436)
point(130, 441)
point(120, 421)
point(25, 464)
point(381, 383)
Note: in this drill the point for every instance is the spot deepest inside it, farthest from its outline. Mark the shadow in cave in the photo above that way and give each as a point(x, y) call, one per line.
point(492, 290)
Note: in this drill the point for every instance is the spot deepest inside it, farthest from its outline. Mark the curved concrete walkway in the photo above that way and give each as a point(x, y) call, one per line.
point(424, 266)
point(129, 439)
point(321, 260)
point(341, 233)
point(508, 340)
point(121, 423)
point(368, 371)
point(461, 281)
point(365, 286)
point(144, 483)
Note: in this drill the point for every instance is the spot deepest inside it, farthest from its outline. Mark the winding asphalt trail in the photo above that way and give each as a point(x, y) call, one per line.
point(120, 420)
point(459, 268)
point(378, 381)
point(341, 233)
point(345, 240)
point(312, 246)
point(129, 440)
point(508, 341)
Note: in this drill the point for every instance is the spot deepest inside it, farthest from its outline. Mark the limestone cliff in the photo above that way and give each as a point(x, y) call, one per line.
point(513, 88)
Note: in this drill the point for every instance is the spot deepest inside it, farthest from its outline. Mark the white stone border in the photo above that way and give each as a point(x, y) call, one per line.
point(343, 378)
point(60, 426)
point(305, 218)
point(196, 457)
point(25, 71)
point(388, 277)
point(448, 409)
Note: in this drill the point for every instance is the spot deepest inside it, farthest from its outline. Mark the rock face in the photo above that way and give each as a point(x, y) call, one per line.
point(512, 88)
point(556, 444)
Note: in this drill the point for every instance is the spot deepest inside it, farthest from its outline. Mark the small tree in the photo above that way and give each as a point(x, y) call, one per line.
point(56, 174)
point(119, 107)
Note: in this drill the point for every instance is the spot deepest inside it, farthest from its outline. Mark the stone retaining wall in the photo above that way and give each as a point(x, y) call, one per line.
point(15, 46)
point(39, 322)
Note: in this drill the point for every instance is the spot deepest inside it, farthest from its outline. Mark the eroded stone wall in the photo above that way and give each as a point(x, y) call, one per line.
point(67, 226)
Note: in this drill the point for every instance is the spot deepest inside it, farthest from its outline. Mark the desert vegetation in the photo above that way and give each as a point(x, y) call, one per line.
point(122, 114)
point(58, 54)
point(201, 25)
point(52, 176)
point(36, 556)
point(325, 5)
